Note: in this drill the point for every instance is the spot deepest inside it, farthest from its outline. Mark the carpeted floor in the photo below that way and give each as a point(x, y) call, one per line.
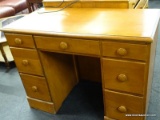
point(81, 106)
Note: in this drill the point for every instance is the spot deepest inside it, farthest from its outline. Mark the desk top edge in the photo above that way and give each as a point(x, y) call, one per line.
point(146, 34)
point(82, 36)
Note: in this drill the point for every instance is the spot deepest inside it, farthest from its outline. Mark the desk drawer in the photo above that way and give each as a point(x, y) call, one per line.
point(68, 45)
point(19, 40)
point(117, 105)
point(36, 87)
point(123, 75)
point(27, 61)
point(125, 50)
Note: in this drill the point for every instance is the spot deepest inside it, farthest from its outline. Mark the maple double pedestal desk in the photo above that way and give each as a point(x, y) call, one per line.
point(53, 51)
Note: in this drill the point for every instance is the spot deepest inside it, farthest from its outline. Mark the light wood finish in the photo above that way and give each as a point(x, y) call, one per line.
point(92, 25)
point(127, 76)
point(118, 44)
point(146, 5)
point(27, 61)
point(142, 4)
point(132, 3)
point(125, 50)
point(61, 76)
point(120, 4)
point(122, 109)
point(89, 68)
point(18, 40)
point(68, 45)
point(118, 104)
point(36, 87)
point(107, 118)
point(41, 105)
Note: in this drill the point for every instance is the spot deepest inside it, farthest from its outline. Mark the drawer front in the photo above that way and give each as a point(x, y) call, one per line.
point(36, 87)
point(141, 4)
point(117, 105)
point(132, 3)
point(27, 61)
point(125, 50)
point(68, 45)
point(123, 75)
point(18, 40)
point(42, 105)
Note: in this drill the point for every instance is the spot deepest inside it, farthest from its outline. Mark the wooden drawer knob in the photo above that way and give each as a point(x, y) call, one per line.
point(122, 109)
point(25, 62)
point(122, 77)
point(18, 41)
point(34, 88)
point(63, 45)
point(122, 51)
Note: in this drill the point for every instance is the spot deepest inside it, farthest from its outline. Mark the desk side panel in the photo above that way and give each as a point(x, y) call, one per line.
point(60, 74)
point(151, 68)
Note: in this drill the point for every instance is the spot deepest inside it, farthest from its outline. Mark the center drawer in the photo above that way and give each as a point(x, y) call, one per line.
point(68, 45)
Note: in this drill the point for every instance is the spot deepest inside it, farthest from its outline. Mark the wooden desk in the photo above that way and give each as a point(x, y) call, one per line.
point(50, 51)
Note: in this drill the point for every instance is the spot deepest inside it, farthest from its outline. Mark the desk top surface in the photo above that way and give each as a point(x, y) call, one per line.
point(98, 23)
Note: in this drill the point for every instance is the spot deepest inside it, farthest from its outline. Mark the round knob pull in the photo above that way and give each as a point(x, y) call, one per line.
point(122, 109)
point(25, 62)
point(34, 88)
point(122, 77)
point(121, 51)
point(18, 41)
point(63, 45)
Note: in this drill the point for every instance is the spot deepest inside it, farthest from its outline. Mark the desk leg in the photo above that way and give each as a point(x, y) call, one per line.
point(4, 56)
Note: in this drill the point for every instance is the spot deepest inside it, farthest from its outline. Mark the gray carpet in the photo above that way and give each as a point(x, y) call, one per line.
point(14, 106)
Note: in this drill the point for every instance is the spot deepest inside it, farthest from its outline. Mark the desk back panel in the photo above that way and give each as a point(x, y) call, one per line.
point(89, 68)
